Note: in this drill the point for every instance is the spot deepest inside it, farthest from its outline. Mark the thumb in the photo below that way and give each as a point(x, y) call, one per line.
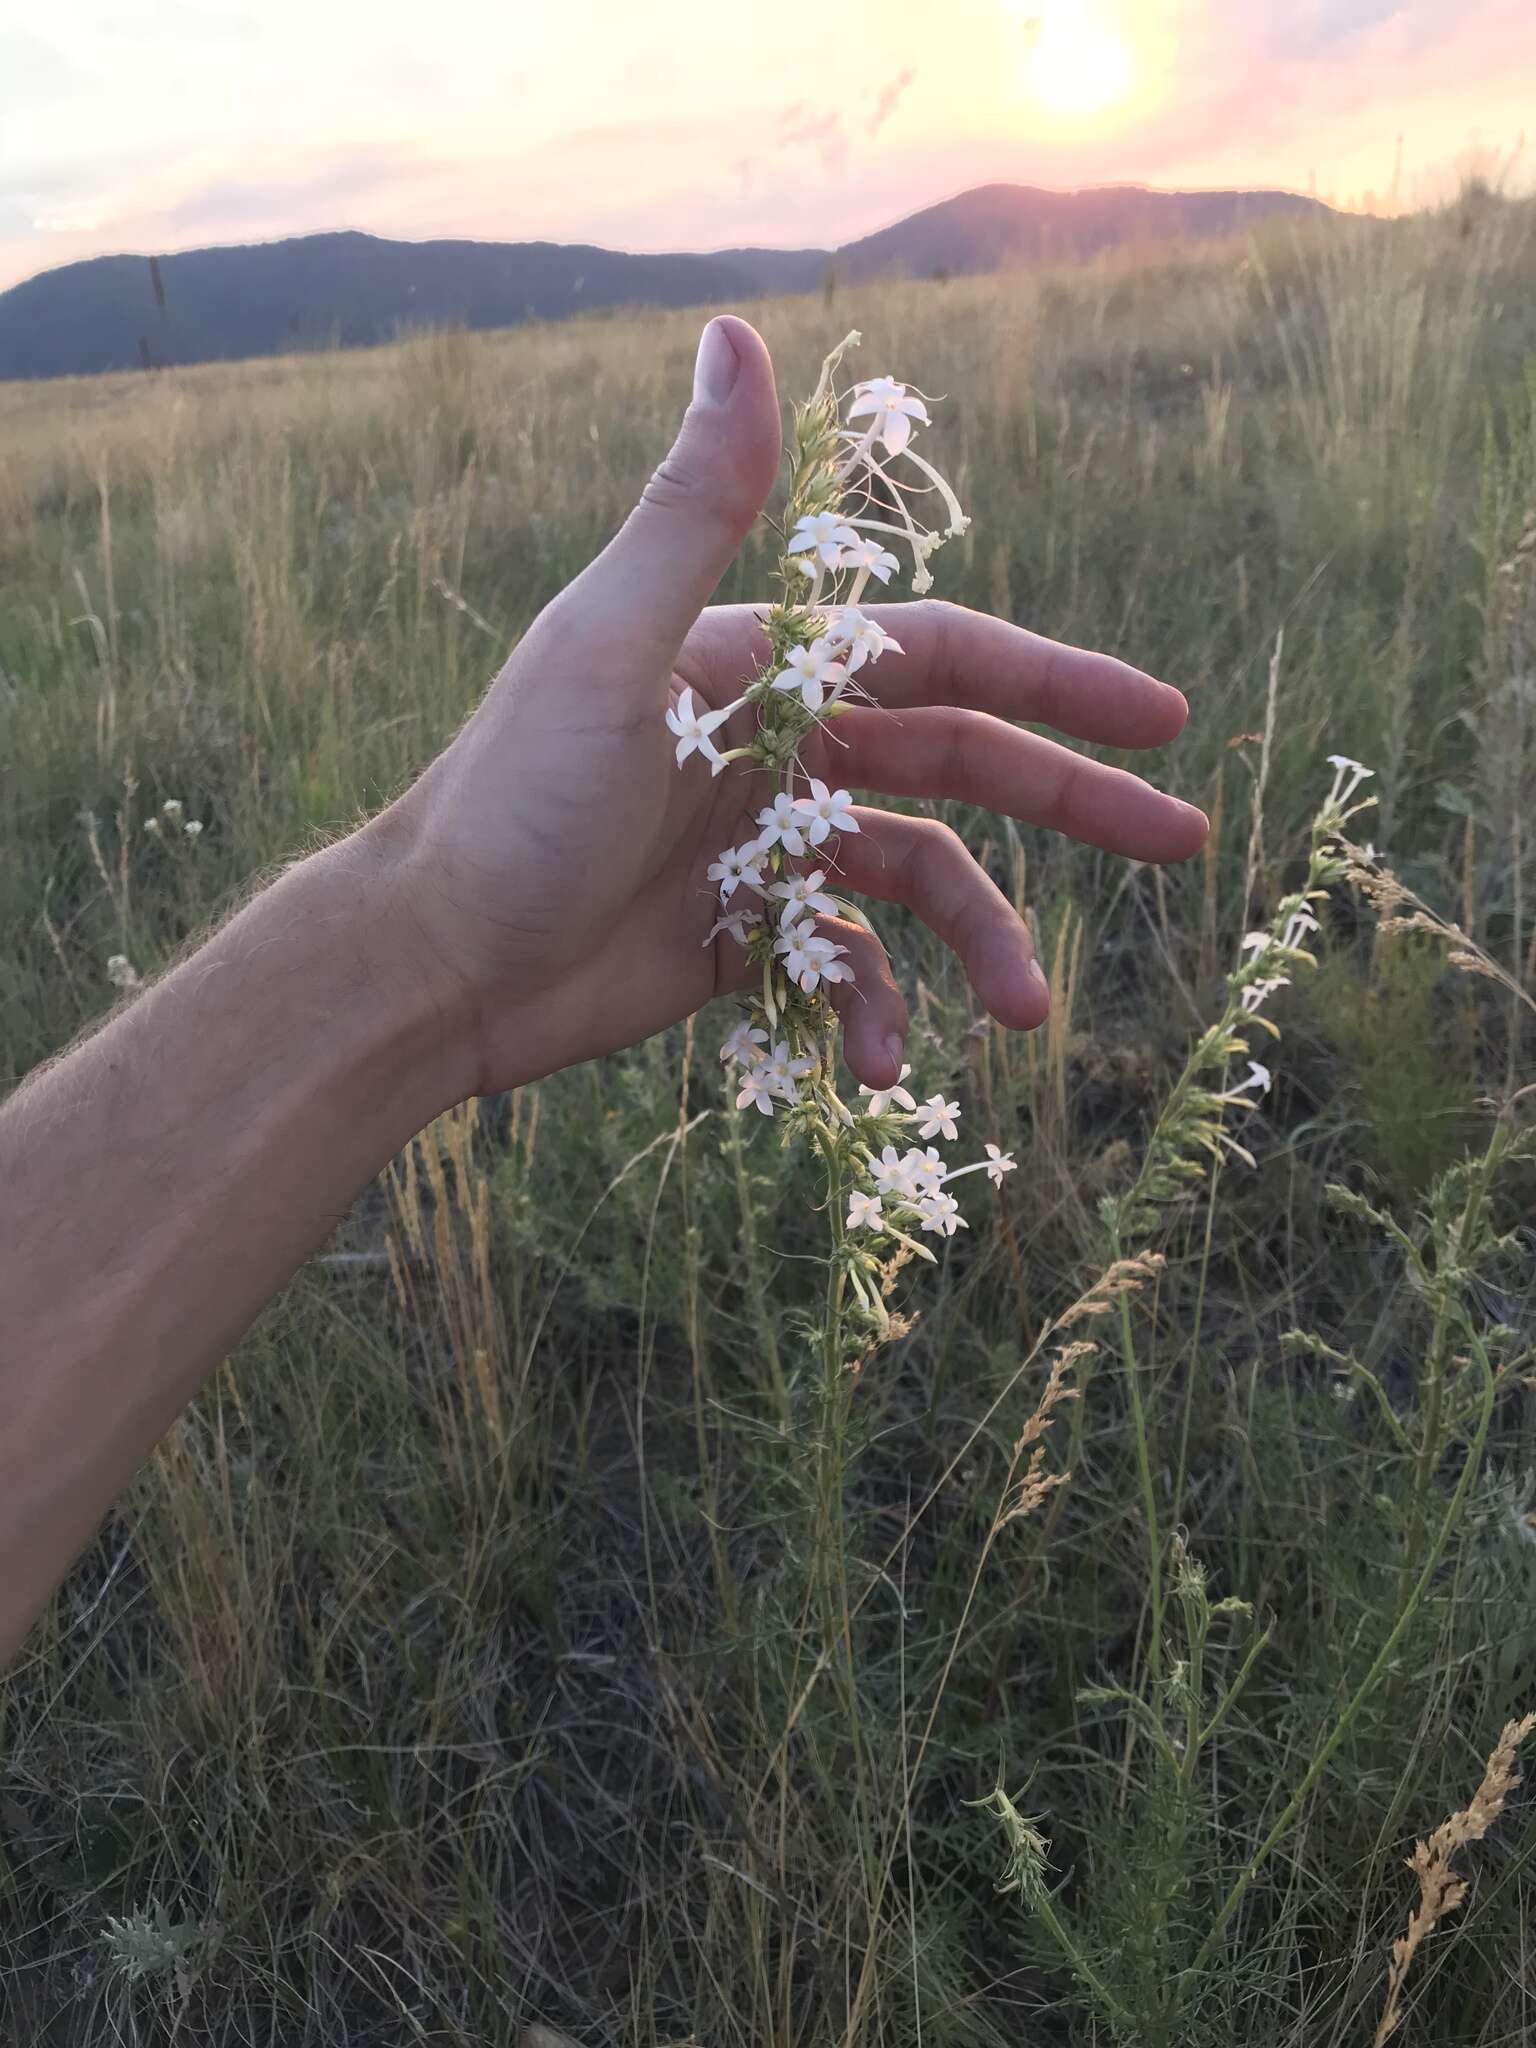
point(659, 571)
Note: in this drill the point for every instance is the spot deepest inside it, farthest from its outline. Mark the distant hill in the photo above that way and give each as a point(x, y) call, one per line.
point(351, 290)
point(996, 226)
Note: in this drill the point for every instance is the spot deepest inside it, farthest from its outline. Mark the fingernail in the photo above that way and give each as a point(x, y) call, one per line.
point(1194, 811)
point(894, 1048)
point(716, 369)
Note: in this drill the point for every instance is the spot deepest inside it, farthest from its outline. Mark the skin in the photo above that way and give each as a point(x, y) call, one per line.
point(535, 899)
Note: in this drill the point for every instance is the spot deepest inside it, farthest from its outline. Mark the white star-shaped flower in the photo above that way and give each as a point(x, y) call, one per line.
point(1257, 993)
point(941, 1213)
point(938, 1117)
point(756, 1089)
point(821, 536)
point(999, 1163)
point(864, 1211)
point(893, 1175)
point(804, 894)
point(736, 866)
point(814, 672)
point(693, 729)
point(738, 923)
point(890, 408)
point(880, 1099)
point(742, 1043)
point(869, 559)
point(783, 1073)
point(859, 638)
point(809, 959)
point(824, 811)
point(778, 827)
point(927, 1169)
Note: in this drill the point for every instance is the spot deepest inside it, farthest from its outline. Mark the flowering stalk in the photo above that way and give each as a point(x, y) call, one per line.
point(1192, 1122)
point(856, 484)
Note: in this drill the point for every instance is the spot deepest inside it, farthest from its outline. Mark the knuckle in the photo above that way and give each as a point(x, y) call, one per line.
point(941, 620)
point(672, 486)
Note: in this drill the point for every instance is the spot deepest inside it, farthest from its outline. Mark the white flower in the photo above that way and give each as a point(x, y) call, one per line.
point(860, 638)
point(172, 808)
point(809, 959)
point(812, 671)
point(1255, 942)
point(152, 825)
point(825, 810)
point(893, 1174)
point(1258, 1078)
point(938, 1116)
point(927, 1169)
point(781, 1073)
point(121, 971)
point(941, 1212)
point(868, 558)
point(1257, 993)
point(803, 894)
point(738, 865)
point(999, 1163)
point(880, 1099)
point(889, 409)
point(864, 1212)
point(737, 922)
point(757, 1089)
point(192, 827)
point(821, 536)
point(1347, 777)
point(742, 1043)
point(1298, 925)
point(693, 729)
point(779, 827)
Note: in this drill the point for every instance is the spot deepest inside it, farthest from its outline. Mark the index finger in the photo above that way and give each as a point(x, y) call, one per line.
point(955, 656)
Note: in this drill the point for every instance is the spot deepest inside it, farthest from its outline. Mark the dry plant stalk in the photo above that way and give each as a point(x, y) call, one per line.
point(440, 1200)
point(1398, 909)
point(1034, 1486)
point(1441, 1891)
point(1123, 1276)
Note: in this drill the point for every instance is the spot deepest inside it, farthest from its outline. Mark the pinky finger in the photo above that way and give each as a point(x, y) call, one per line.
point(871, 1007)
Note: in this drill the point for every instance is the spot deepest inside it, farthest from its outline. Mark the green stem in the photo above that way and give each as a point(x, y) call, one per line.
point(1121, 2015)
point(1363, 1692)
point(1148, 1491)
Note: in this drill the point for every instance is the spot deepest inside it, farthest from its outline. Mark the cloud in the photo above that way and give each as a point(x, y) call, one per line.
point(888, 99)
point(1311, 30)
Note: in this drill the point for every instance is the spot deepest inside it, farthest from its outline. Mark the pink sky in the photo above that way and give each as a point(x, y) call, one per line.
point(696, 125)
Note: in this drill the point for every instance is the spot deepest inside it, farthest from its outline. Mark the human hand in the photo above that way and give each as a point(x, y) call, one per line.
point(548, 870)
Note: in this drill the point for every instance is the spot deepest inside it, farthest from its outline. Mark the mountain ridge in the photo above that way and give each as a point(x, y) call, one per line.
point(350, 289)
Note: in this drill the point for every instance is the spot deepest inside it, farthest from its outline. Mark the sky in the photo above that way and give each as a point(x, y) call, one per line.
point(705, 123)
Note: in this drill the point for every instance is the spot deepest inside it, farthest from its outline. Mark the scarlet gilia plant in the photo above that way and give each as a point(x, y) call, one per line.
point(860, 504)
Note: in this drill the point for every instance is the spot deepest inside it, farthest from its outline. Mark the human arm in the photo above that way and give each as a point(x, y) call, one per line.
point(533, 900)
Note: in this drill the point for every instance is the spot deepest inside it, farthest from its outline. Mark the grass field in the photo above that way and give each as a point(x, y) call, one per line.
point(463, 1659)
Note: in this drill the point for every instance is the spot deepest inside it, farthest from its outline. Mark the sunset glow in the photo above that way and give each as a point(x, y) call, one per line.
point(1077, 65)
point(193, 124)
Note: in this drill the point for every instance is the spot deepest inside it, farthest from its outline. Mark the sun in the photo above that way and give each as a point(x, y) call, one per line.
point(1077, 64)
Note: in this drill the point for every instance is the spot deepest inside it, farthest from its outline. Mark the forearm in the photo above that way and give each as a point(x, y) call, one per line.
point(160, 1182)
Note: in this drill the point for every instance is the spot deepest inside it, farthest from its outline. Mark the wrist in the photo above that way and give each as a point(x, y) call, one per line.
point(413, 1025)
